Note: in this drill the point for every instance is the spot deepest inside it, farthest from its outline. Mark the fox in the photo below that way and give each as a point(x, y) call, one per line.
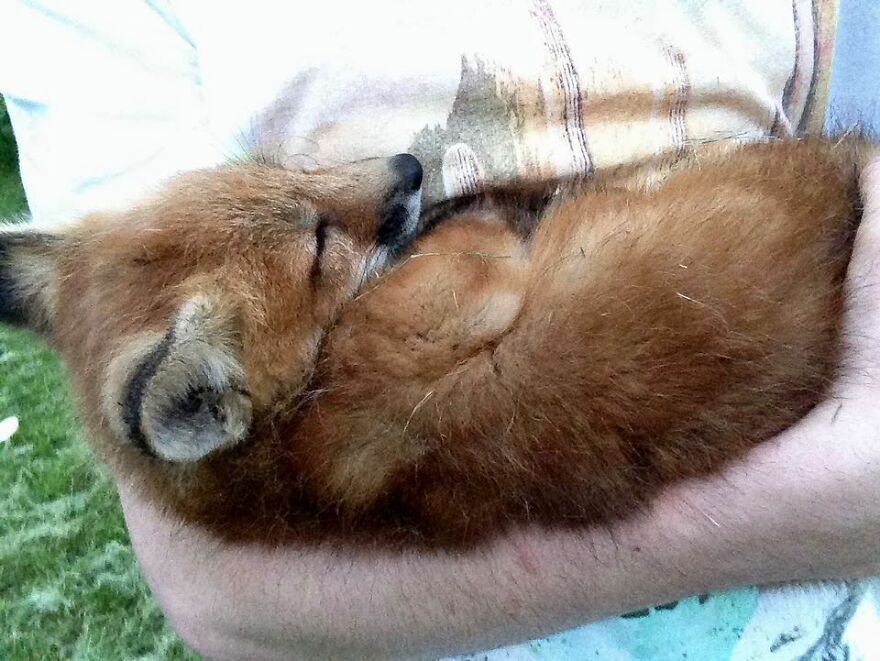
point(281, 355)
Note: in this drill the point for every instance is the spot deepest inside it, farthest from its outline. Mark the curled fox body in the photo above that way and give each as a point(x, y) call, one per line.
point(277, 355)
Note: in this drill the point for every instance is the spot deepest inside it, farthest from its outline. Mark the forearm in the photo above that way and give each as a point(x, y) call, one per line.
point(311, 603)
point(758, 523)
point(802, 506)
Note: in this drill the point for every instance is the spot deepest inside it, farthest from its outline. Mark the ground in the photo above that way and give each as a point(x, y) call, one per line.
point(69, 584)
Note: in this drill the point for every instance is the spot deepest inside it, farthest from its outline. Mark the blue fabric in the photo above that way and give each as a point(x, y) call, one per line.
point(854, 91)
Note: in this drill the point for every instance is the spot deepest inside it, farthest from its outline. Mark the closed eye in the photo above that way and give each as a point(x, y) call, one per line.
point(321, 231)
point(321, 236)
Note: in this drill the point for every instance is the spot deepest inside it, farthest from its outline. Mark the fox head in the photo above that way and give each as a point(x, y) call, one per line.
point(182, 318)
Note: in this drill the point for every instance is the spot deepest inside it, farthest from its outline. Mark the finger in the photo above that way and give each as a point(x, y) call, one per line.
point(866, 253)
point(862, 319)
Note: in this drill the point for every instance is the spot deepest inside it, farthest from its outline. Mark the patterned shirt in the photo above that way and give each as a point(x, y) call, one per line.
point(108, 99)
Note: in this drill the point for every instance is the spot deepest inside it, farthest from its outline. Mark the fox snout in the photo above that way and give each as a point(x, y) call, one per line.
point(408, 170)
point(399, 219)
point(389, 191)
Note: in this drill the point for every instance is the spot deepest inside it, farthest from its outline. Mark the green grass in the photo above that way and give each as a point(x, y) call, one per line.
point(69, 584)
point(11, 193)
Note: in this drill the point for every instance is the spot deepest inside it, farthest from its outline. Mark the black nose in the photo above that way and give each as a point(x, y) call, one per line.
point(408, 170)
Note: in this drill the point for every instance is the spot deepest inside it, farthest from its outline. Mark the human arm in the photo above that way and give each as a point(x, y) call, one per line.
point(802, 506)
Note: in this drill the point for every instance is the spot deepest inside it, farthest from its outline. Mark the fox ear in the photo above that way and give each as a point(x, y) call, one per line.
point(181, 395)
point(28, 260)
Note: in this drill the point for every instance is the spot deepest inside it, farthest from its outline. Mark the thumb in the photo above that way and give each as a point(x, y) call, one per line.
point(862, 318)
point(868, 237)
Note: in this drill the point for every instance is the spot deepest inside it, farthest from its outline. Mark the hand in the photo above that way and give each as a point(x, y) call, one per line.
point(802, 506)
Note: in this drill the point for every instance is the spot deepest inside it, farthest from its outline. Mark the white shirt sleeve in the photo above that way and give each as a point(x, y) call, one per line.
point(105, 99)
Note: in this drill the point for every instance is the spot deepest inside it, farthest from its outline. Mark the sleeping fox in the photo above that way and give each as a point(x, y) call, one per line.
point(278, 354)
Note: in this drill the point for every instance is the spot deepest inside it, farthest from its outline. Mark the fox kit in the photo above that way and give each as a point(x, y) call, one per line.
point(277, 355)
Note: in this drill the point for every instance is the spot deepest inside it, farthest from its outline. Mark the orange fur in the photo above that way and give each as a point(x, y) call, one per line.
point(632, 338)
